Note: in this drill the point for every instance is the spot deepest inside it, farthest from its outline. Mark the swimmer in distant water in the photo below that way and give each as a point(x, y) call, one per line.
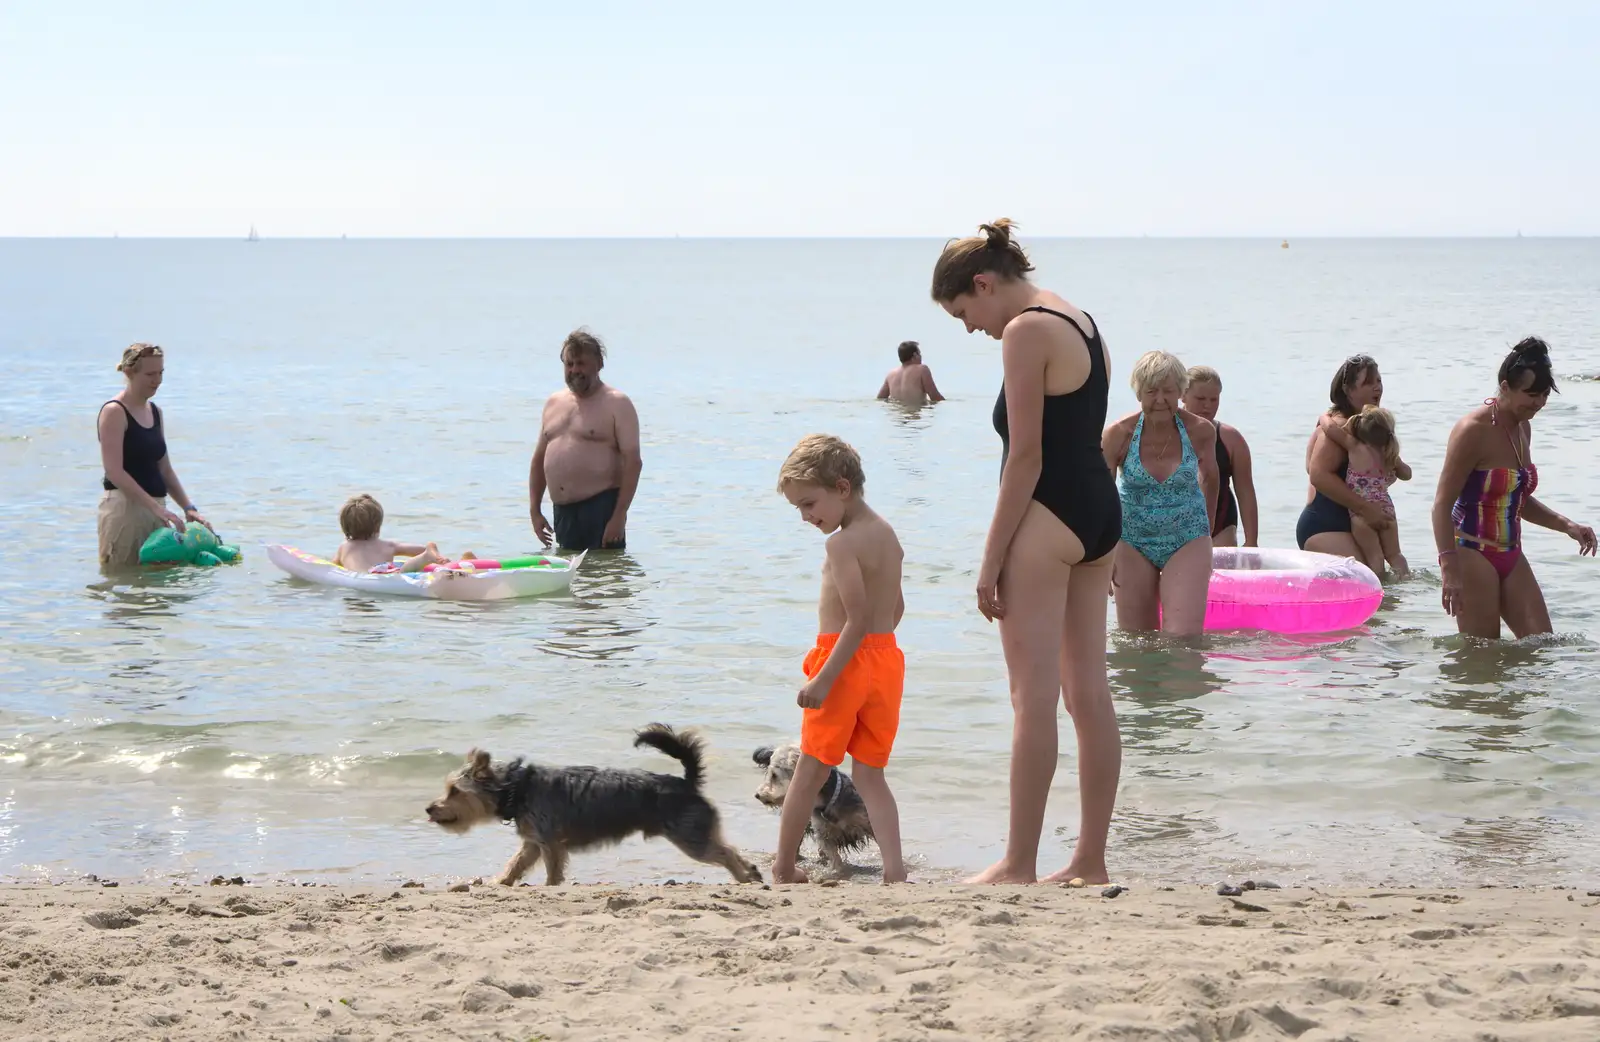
point(1485, 490)
point(912, 383)
point(1203, 397)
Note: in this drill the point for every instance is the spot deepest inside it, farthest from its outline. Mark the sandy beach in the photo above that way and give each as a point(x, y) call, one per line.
point(846, 962)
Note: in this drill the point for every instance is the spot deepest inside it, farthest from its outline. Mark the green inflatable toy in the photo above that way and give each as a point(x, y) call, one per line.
point(196, 545)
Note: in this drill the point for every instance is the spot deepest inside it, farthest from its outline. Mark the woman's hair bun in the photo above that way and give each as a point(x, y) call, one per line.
point(1533, 349)
point(998, 232)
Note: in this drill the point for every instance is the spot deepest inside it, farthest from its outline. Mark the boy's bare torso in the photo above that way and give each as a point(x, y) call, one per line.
point(874, 547)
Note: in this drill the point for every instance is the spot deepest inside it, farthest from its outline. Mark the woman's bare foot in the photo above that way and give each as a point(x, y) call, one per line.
point(1002, 872)
point(793, 875)
point(1096, 876)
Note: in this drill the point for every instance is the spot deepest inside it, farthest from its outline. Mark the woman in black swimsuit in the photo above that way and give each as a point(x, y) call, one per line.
point(1203, 397)
point(1047, 560)
point(138, 472)
point(1324, 525)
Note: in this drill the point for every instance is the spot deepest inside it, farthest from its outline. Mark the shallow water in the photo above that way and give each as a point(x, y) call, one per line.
point(188, 723)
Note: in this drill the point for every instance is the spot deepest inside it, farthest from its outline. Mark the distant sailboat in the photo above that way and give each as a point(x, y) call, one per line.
point(252, 237)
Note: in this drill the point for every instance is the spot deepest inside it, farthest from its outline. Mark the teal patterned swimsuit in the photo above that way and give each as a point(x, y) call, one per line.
point(1159, 517)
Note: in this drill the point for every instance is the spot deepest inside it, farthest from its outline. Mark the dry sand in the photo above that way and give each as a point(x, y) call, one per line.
point(850, 961)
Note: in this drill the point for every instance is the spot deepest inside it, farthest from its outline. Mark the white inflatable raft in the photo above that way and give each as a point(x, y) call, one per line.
point(490, 584)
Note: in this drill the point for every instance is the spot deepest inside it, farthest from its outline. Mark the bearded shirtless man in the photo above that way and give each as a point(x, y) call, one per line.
point(587, 455)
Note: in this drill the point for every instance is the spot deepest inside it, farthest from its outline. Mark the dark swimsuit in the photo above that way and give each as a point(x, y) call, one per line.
point(1074, 482)
point(1322, 515)
point(582, 525)
point(1227, 506)
point(143, 449)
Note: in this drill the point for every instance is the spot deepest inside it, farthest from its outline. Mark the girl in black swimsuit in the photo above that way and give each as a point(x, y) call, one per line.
point(1047, 562)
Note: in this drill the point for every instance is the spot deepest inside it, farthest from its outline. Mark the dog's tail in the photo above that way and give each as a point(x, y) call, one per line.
point(687, 749)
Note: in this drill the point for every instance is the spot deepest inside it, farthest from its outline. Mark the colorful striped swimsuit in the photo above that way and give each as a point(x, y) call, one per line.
point(1488, 512)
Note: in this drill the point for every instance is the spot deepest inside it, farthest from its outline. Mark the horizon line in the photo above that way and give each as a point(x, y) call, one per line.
point(770, 238)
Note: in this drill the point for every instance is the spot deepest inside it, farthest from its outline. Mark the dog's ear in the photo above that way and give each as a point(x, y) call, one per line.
point(478, 762)
point(763, 756)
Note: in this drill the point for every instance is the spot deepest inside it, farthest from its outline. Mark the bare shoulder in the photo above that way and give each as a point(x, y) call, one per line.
point(1230, 436)
point(617, 396)
point(1125, 424)
point(1469, 427)
point(1199, 426)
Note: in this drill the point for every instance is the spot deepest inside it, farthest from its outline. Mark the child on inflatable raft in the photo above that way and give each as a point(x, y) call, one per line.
point(361, 520)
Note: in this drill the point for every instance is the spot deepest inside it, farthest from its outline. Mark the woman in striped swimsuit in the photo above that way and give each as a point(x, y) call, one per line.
point(1485, 489)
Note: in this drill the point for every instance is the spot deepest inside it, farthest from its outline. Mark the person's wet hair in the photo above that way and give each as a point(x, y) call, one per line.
point(992, 253)
point(908, 351)
point(1531, 355)
point(1351, 372)
point(583, 342)
point(361, 517)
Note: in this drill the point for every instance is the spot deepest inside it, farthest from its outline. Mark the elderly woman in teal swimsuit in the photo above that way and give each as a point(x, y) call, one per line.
point(1168, 458)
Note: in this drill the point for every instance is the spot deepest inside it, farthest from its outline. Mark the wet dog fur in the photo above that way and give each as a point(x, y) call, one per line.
point(558, 810)
point(839, 818)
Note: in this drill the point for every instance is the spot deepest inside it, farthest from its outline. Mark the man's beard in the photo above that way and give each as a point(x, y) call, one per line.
point(579, 384)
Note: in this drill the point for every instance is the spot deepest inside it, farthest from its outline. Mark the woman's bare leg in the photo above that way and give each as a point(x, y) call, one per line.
point(1185, 581)
point(1479, 614)
point(1138, 590)
point(1522, 601)
point(1339, 544)
point(1094, 718)
point(1033, 589)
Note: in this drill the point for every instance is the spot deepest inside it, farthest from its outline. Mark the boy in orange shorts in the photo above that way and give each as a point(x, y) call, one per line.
point(856, 673)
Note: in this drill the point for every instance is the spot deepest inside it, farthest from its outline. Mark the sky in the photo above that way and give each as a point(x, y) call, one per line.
point(533, 119)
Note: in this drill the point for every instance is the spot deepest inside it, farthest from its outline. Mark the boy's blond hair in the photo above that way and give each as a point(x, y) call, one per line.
point(822, 459)
point(361, 517)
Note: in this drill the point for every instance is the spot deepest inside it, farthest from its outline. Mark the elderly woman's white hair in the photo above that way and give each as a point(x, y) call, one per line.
point(1157, 367)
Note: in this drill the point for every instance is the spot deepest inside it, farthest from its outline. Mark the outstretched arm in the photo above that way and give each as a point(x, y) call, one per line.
point(1244, 489)
point(536, 482)
point(627, 421)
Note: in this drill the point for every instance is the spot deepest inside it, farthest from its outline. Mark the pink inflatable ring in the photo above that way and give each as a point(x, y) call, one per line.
point(1289, 591)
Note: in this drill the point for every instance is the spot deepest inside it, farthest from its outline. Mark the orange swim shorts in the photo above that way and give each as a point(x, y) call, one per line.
point(862, 711)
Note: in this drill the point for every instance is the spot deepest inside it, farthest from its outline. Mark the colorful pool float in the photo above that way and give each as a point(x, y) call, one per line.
point(497, 580)
point(1289, 591)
